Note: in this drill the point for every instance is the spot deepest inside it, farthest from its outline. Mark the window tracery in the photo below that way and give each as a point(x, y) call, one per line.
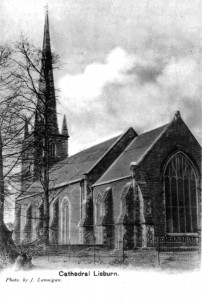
point(180, 187)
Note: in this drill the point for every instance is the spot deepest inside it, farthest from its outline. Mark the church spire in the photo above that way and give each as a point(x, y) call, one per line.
point(64, 126)
point(46, 36)
point(46, 105)
point(46, 141)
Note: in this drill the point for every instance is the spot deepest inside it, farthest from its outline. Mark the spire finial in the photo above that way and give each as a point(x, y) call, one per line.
point(46, 7)
point(177, 114)
point(46, 38)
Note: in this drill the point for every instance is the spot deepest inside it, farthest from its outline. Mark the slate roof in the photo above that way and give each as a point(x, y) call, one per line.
point(73, 167)
point(133, 153)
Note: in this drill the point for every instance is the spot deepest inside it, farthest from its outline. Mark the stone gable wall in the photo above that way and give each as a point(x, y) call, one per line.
point(177, 138)
point(149, 173)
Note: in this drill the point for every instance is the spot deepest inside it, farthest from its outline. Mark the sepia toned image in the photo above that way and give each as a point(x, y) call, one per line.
point(100, 138)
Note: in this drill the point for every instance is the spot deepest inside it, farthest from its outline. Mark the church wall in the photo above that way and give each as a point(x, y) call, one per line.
point(35, 216)
point(117, 188)
point(90, 178)
point(73, 194)
point(149, 175)
point(24, 204)
point(177, 138)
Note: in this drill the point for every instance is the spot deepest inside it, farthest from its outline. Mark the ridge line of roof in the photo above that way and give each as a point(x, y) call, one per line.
point(155, 141)
point(115, 137)
point(145, 132)
point(126, 149)
point(65, 161)
point(112, 180)
point(118, 139)
point(85, 150)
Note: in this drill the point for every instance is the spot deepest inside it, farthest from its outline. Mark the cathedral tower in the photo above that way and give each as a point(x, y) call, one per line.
point(45, 137)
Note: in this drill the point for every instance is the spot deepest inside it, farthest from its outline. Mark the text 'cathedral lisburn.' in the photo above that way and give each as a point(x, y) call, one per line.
point(88, 273)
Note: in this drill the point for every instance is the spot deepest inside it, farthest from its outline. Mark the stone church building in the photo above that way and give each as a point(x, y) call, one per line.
point(133, 187)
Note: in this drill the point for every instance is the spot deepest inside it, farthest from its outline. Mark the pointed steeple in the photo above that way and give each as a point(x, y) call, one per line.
point(64, 127)
point(64, 140)
point(46, 127)
point(46, 36)
point(46, 105)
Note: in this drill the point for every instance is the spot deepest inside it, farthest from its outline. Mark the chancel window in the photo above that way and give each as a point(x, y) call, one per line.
point(180, 186)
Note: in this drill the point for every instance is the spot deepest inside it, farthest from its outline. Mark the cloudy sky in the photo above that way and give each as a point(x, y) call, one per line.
point(125, 63)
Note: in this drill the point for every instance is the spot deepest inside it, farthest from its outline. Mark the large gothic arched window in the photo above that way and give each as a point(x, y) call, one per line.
point(180, 186)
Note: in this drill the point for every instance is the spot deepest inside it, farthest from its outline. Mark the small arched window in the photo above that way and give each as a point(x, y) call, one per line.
point(181, 199)
point(31, 168)
point(52, 149)
point(66, 222)
point(28, 224)
point(99, 207)
point(39, 226)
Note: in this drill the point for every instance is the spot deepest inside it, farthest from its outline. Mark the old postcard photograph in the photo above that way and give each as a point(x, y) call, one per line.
point(100, 149)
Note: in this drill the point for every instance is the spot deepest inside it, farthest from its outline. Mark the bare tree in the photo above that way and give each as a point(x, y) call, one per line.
point(35, 77)
point(29, 100)
point(27, 97)
point(10, 134)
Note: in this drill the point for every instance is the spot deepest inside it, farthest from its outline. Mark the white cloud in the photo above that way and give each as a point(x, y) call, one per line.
point(84, 88)
point(142, 91)
point(184, 76)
